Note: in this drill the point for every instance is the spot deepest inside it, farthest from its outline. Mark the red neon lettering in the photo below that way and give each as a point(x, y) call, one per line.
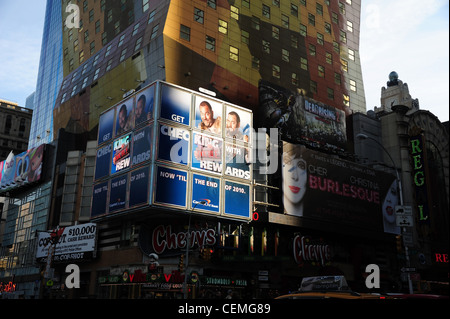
point(167, 277)
point(255, 216)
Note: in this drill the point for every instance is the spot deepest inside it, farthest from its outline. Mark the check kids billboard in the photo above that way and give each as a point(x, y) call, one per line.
point(189, 152)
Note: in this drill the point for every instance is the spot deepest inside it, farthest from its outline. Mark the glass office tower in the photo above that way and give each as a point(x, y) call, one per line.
point(50, 76)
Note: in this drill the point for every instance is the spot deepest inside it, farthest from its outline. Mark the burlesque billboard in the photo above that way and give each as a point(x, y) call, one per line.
point(325, 188)
point(19, 170)
point(187, 151)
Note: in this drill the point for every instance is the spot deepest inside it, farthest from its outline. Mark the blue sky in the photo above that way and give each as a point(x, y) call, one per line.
point(407, 36)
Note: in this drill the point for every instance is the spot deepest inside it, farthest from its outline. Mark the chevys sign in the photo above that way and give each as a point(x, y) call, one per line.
point(163, 238)
point(306, 250)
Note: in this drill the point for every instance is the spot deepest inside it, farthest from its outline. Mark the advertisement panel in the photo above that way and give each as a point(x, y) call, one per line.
point(173, 144)
point(19, 170)
point(76, 243)
point(207, 153)
point(125, 116)
point(237, 199)
point(118, 193)
point(99, 198)
point(145, 100)
point(139, 186)
point(171, 187)
point(238, 124)
point(208, 115)
point(175, 105)
point(205, 193)
point(106, 126)
point(237, 160)
point(103, 161)
point(142, 145)
point(325, 188)
point(121, 159)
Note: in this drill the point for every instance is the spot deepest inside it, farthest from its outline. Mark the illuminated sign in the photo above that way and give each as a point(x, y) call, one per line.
point(306, 250)
point(441, 258)
point(175, 105)
point(205, 193)
point(9, 287)
point(121, 159)
point(171, 186)
point(418, 165)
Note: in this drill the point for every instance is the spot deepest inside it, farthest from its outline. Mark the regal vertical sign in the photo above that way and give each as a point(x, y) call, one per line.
point(419, 177)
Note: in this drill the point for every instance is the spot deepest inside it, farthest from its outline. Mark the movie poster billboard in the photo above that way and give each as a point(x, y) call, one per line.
point(205, 193)
point(175, 104)
point(103, 161)
point(143, 111)
point(170, 187)
point(142, 145)
point(325, 188)
point(106, 126)
point(125, 116)
point(207, 153)
point(139, 186)
point(208, 115)
point(99, 198)
point(173, 144)
point(118, 193)
point(121, 158)
point(237, 199)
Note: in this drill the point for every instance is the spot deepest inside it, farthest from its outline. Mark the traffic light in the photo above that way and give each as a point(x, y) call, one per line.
point(399, 243)
point(181, 264)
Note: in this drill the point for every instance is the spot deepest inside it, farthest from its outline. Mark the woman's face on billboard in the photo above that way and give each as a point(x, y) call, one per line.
point(294, 178)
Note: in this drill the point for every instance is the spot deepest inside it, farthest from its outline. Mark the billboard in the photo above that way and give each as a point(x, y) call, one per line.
point(19, 170)
point(176, 156)
point(76, 243)
point(319, 186)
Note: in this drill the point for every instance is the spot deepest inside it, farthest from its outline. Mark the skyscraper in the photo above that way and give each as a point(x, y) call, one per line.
point(49, 76)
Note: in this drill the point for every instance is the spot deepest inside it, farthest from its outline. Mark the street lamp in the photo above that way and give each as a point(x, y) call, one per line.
point(188, 239)
point(362, 136)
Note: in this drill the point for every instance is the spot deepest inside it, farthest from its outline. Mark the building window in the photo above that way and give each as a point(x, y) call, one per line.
point(108, 50)
point(285, 55)
point(245, 37)
point(320, 38)
point(275, 71)
point(346, 100)
point(137, 46)
point(75, 45)
point(327, 28)
point(121, 40)
point(285, 21)
point(328, 57)
point(154, 32)
point(294, 79)
point(97, 26)
point(321, 71)
point(313, 86)
point(122, 55)
point(342, 36)
point(109, 65)
point(234, 12)
point(341, 8)
point(84, 82)
point(145, 5)
point(276, 3)
point(330, 93)
point(198, 15)
point(74, 91)
point(256, 23)
point(311, 19)
point(336, 47)
point(303, 30)
point(255, 62)
point(210, 43)
point(349, 26)
point(185, 32)
point(135, 30)
point(117, 27)
point(337, 78)
point(81, 56)
point(351, 54)
point(234, 53)
point(95, 60)
point(294, 10)
point(334, 18)
point(211, 3)
point(344, 65)
point(151, 17)
point(319, 9)
point(304, 64)
point(91, 15)
point(303, 3)
point(223, 26)
point(275, 32)
point(312, 50)
point(353, 85)
point(104, 38)
point(246, 4)
point(266, 11)
point(97, 72)
point(294, 41)
point(266, 46)
point(92, 47)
